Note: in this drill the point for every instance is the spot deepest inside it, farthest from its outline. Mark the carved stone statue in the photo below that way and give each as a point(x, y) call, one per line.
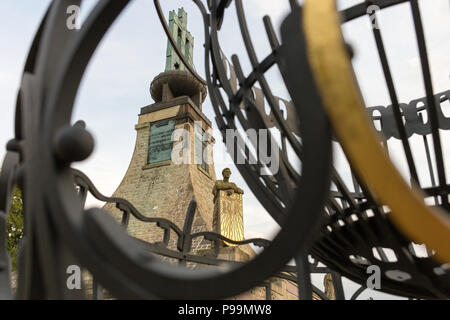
point(228, 216)
point(225, 184)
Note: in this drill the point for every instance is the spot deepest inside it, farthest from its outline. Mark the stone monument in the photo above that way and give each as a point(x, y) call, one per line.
point(155, 183)
point(228, 217)
point(158, 185)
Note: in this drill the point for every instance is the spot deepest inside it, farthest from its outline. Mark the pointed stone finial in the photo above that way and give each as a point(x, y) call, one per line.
point(185, 41)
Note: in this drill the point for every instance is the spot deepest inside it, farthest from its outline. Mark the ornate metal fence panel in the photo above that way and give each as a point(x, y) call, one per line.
point(346, 228)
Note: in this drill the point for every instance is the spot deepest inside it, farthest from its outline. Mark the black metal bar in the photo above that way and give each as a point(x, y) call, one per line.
point(360, 10)
point(431, 102)
point(303, 275)
point(429, 162)
point(97, 290)
point(395, 104)
point(357, 293)
point(337, 284)
point(262, 81)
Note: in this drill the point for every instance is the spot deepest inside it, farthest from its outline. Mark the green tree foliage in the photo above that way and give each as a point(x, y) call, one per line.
point(15, 226)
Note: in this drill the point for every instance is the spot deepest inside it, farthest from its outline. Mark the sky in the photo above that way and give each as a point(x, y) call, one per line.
point(116, 83)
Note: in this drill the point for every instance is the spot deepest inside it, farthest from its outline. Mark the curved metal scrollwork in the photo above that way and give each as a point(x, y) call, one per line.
point(357, 225)
point(346, 228)
point(185, 238)
point(358, 229)
point(247, 107)
point(92, 237)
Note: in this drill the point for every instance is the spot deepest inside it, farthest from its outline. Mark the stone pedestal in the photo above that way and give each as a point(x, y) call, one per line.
point(241, 254)
point(228, 216)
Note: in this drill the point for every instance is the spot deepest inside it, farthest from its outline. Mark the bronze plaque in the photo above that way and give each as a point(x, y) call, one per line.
point(160, 142)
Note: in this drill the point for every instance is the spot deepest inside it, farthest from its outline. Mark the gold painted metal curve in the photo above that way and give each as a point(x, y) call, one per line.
point(344, 105)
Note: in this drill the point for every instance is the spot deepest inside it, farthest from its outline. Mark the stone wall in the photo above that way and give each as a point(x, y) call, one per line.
point(165, 189)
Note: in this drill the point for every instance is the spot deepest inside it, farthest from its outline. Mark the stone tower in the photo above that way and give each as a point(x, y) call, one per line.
point(172, 165)
point(171, 162)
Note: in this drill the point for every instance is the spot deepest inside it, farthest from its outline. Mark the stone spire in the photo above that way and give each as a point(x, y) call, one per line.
point(184, 39)
point(176, 81)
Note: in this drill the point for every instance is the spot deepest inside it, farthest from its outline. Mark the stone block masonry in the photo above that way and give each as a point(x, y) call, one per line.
point(164, 189)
